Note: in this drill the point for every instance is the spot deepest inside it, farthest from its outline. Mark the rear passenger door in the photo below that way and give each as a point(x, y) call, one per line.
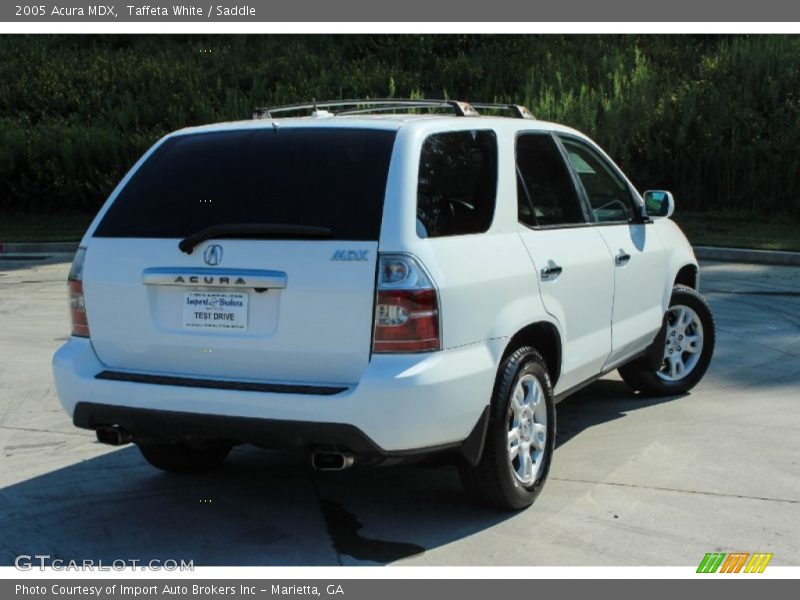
point(639, 257)
point(570, 258)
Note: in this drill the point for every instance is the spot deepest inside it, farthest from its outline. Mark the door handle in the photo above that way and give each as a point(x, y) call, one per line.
point(622, 258)
point(551, 271)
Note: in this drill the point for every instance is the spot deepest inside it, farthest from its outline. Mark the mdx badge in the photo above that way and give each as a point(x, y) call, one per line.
point(350, 255)
point(213, 255)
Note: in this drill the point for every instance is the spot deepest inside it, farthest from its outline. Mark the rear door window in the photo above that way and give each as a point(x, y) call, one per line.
point(546, 195)
point(321, 177)
point(457, 183)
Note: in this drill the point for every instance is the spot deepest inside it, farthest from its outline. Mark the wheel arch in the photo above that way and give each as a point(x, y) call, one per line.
point(688, 275)
point(545, 337)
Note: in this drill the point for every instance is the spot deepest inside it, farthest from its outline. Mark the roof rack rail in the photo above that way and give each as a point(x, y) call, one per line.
point(368, 105)
point(519, 111)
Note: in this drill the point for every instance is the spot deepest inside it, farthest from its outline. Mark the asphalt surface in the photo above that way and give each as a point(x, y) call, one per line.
point(634, 481)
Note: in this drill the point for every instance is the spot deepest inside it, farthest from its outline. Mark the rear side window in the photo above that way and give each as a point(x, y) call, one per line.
point(545, 193)
point(457, 183)
point(323, 177)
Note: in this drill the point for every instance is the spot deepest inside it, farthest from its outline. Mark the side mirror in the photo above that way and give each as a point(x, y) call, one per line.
point(658, 203)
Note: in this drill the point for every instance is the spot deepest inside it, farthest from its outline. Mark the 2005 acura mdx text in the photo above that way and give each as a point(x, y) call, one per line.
point(375, 282)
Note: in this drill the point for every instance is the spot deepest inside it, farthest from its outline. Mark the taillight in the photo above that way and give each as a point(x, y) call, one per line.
point(406, 307)
point(77, 305)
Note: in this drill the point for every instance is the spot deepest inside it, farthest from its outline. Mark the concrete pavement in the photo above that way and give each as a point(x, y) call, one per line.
point(634, 481)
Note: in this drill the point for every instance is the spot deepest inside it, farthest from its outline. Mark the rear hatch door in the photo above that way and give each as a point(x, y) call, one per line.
point(281, 285)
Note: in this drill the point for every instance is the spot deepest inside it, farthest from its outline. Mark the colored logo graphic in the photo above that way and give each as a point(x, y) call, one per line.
point(735, 562)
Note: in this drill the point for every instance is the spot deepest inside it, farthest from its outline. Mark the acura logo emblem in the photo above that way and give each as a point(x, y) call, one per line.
point(213, 255)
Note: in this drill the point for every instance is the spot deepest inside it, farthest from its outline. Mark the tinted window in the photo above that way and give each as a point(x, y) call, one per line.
point(334, 178)
point(457, 183)
point(545, 193)
point(609, 194)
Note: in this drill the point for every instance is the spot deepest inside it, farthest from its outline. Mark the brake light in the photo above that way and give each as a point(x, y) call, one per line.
point(406, 307)
point(77, 305)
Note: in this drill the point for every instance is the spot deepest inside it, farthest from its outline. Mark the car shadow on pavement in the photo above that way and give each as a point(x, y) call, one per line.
point(605, 400)
point(262, 508)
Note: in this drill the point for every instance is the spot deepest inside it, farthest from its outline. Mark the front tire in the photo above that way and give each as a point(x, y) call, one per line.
point(180, 457)
point(688, 348)
point(520, 438)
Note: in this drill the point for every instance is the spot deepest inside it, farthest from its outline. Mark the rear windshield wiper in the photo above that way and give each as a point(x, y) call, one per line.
point(251, 230)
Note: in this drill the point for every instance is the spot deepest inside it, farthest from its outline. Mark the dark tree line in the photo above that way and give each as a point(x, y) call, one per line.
point(716, 119)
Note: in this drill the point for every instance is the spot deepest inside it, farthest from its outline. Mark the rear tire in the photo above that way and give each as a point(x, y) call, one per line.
point(179, 457)
point(520, 437)
point(687, 352)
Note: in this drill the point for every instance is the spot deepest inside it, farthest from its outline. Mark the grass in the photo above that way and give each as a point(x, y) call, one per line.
point(702, 229)
point(27, 227)
point(740, 231)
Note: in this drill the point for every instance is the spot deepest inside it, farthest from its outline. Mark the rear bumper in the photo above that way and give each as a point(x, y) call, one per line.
point(145, 423)
point(403, 404)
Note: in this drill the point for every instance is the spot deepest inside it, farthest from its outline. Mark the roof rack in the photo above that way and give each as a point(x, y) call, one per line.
point(519, 111)
point(367, 106)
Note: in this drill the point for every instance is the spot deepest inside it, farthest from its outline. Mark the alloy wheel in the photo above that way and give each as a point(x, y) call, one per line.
point(683, 344)
point(527, 429)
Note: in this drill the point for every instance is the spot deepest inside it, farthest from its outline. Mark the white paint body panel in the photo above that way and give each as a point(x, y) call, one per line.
point(580, 298)
point(315, 330)
point(638, 286)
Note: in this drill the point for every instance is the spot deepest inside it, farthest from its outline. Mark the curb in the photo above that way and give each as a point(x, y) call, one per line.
point(743, 255)
point(38, 247)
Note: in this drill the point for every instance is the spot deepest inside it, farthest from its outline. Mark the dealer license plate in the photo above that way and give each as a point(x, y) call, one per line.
point(215, 310)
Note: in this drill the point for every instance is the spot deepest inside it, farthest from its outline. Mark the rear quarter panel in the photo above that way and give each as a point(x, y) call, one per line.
point(487, 284)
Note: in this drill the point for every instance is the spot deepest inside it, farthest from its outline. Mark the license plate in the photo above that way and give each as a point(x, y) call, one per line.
point(215, 310)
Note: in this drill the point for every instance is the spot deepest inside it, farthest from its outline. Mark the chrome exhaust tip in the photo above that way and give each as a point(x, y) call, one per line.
point(331, 460)
point(113, 436)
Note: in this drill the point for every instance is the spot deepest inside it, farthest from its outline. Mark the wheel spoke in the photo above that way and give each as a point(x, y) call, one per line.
point(513, 443)
point(538, 435)
point(677, 367)
point(527, 393)
point(670, 360)
point(525, 464)
point(672, 328)
point(536, 458)
point(518, 400)
point(536, 395)
point(678, 311)
point(692, 344)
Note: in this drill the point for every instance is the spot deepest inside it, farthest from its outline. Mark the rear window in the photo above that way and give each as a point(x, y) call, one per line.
point(457, 183)
point(320, 177)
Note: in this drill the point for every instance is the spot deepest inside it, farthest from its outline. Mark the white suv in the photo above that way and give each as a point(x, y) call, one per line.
point(375, 288)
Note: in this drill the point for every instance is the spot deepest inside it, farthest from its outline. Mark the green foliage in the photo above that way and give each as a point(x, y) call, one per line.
point(716, 119)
